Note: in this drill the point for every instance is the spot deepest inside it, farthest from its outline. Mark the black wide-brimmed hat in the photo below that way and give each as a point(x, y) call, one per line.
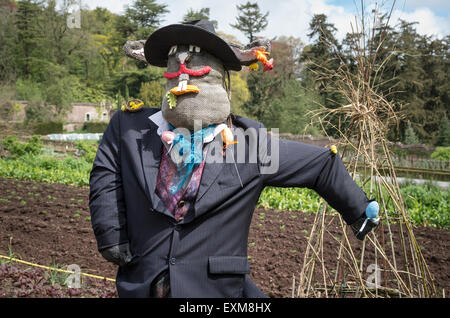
point(199, 33)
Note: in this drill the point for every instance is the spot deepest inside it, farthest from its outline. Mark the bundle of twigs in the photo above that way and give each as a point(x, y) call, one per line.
point(402, 270)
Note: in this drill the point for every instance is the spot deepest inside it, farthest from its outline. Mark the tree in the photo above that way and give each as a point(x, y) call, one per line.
point(274, 94)
point(286, 52)
point(128, 83)
point(202, 14)
point(59, 41)
point(413, 72)
point(321, 59)
point(435, 93)
point(263, 88)
point(152, 93)
point(443, 139)
point(28, 34)
point(294, 109)
point(250, 20)
point(239, 93)
point(147, 14)
point(8, 40)
point(410, 136)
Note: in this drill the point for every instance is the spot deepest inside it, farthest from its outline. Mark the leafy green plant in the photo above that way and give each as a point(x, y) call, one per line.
point(427, 205)
point(87, 149)
point(17, 148)
point(441, 153)
point(57, 277)
point(11, 254)
point(48, 169)
point(291, 199)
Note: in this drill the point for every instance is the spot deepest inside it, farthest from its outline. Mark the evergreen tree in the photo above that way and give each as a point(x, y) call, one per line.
point(28, 34)
point(8, 40)
point(410, 136)
point(147, 15)
point(435, 92)
point(202, 14)
point(263, 88)
point(443, 139)
point(295, 106)
point(321, 59)
point(250, 20)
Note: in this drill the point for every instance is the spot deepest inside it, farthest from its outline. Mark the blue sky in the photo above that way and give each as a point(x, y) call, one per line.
point(291, 17)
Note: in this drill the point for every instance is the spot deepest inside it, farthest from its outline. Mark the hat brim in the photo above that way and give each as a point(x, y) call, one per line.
point(158, 44)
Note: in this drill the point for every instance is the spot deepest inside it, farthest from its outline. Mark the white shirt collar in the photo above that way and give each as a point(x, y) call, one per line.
point(160, 121)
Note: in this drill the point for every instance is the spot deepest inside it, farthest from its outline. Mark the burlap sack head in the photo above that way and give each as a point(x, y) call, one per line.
point(211, 105)
point(208, 101)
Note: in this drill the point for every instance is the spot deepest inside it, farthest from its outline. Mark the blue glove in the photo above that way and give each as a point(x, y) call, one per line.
point(372, 210)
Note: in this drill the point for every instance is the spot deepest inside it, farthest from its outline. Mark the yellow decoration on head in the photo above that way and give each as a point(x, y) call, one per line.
point(253, 67)
point(133, 105)
point(333, 149)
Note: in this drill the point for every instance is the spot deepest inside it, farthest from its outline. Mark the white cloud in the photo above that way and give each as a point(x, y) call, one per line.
point(429, 22)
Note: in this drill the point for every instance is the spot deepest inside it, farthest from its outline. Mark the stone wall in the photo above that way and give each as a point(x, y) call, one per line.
point(81, 112)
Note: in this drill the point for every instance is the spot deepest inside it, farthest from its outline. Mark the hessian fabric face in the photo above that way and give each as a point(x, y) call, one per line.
point(195, 88)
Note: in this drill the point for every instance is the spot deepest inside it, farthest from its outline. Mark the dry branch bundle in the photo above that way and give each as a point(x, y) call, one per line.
point(364, 119)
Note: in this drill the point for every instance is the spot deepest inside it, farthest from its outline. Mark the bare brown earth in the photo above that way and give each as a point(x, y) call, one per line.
point(49, 224)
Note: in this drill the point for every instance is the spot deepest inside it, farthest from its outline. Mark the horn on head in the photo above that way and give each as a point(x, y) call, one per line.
point(246, 54)
point(135, 50)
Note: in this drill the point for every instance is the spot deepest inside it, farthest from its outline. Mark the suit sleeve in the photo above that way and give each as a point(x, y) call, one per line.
point(316, 168)
point(106, 199)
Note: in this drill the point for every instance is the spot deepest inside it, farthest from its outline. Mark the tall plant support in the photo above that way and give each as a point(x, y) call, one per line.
point(396, 267)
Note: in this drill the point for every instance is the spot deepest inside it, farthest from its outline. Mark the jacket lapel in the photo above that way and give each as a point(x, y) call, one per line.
point(210, 173)
point(151, 147)
point(209, 187)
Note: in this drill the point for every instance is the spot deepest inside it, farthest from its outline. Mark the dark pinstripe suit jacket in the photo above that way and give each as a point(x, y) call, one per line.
point(206, 253)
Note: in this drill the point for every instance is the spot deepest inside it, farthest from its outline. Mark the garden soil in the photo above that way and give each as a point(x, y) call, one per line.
point(49, 224)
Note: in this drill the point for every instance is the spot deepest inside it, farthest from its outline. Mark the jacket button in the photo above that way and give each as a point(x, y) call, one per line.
point(178, 228)
point(173, 260)
point(181, 204)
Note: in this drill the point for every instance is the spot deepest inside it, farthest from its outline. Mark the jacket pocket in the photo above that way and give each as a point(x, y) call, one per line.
point(227, 274)
point(228, 265)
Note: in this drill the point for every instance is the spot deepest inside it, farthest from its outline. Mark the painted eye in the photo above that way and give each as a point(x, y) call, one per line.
point(173, 50)
point(193, 48)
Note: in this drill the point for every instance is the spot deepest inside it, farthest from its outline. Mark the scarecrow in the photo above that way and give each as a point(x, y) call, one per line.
point(175, 222)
